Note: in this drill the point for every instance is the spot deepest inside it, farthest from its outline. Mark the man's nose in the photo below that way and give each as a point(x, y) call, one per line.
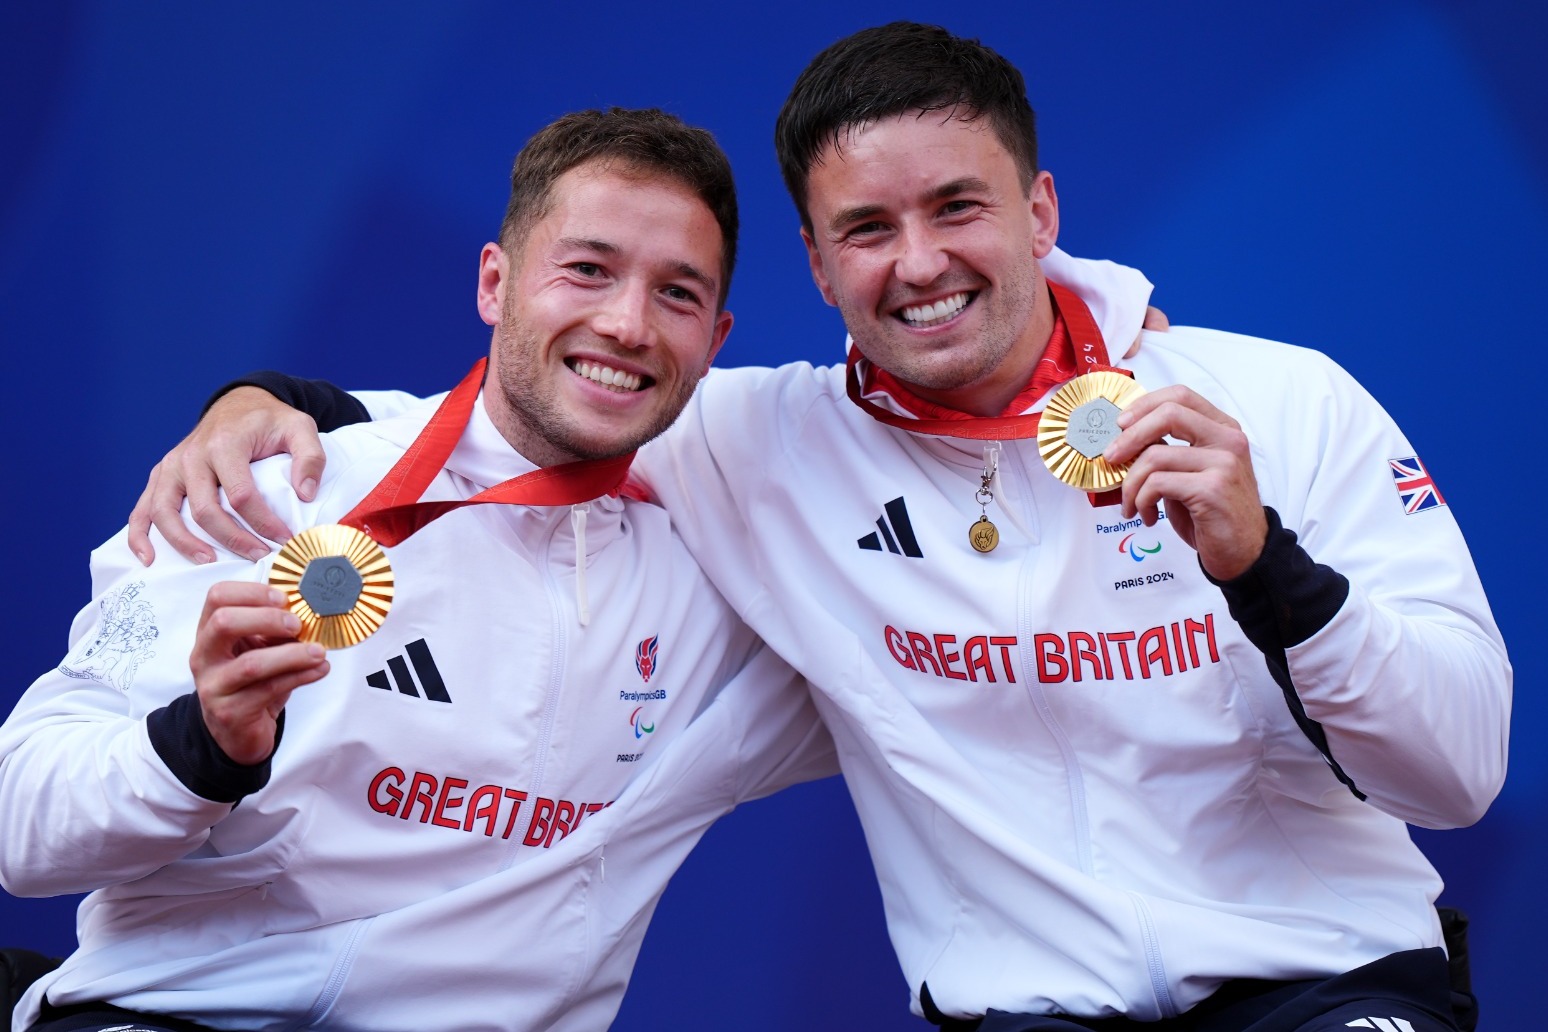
point(625, 316)
point(921, 258)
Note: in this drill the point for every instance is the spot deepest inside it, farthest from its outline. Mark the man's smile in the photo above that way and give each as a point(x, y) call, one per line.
point(925, 316)
point(615, 380)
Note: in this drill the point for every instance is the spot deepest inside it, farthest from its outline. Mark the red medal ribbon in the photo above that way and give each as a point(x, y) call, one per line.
point(1081, 348)
point(392, 511)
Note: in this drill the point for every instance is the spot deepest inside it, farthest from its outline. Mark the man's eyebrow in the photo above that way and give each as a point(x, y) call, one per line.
point(956, 187)
point(677, 268)
point(582, 243)
point(691, 271)
point(849, 216)
point(967, 184)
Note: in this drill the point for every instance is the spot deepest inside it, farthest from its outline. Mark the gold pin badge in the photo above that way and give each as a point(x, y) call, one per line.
point(1078, 424)
point(337, 581)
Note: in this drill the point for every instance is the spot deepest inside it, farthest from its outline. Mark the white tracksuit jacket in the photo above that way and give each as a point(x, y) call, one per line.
point(434, 846)
point(1083, 788)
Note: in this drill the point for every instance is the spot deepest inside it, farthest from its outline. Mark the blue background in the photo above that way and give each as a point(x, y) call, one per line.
point(190, 191)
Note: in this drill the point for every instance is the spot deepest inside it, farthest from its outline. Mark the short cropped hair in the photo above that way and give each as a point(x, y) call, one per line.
point(892, 69)
point(644, 141)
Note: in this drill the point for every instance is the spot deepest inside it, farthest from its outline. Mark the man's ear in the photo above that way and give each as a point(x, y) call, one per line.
point(819, 276)
point(493, 271)
point(721, 332)
point(1044, 204)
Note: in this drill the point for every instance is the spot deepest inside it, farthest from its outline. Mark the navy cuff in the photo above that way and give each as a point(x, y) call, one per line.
point(184, 743)
point(1285, 597)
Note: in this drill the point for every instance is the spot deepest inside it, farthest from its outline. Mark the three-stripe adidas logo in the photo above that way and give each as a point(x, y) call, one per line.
point(1384, 1024)
point(899, 536)
point(424, 666)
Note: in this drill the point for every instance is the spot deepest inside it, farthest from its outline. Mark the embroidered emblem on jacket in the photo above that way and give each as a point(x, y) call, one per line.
point(645, 656)
point(121, 641)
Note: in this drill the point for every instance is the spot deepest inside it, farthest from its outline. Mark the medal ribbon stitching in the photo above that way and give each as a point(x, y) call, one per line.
point(383, 516)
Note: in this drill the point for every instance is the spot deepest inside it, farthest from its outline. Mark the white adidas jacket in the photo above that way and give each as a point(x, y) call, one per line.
point(468, 822)
point(1084, 790)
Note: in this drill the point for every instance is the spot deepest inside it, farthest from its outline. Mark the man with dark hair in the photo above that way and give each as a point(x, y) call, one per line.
point(425, 848)
point(1133, 755)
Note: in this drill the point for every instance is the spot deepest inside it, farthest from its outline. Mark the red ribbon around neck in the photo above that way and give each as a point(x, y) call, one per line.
point(392, 511)
point(1086, 349)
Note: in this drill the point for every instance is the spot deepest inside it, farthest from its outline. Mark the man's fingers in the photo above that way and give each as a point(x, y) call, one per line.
point(240, 593)
point(1174, 395)
point(204, 506)
point(307, 461)
point(232, 471)
point(1176, 413)
point(140, 521)
point(246, 424)
point(229, 627)
point(234, 610)
point(266, 671)
point(1147, 478)
point(242, 698)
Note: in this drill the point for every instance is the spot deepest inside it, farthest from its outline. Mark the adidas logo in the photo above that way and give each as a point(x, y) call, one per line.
point(898, 537)
point(1383, 1024)
point(424, 666)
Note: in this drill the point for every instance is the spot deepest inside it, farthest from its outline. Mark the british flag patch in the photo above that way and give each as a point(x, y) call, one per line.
point(1414, 485)
point(645, 657)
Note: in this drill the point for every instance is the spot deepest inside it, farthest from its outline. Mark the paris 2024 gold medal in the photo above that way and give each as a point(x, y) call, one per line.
point(337, 581)
point(1078, 424)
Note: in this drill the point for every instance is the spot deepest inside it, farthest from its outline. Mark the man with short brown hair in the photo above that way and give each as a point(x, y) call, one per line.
point(415, 831)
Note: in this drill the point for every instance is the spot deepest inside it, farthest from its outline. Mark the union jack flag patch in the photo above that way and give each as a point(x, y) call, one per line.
point(1414, 486)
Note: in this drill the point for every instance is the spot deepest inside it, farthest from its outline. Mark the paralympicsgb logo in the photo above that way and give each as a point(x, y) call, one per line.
point(645, 657)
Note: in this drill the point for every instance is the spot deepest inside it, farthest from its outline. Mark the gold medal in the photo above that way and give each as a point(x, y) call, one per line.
point(983, 535)
point(1078, 424)
point(337, 581)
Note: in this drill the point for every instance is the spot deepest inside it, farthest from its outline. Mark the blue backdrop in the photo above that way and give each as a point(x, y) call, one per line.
point(190, 191)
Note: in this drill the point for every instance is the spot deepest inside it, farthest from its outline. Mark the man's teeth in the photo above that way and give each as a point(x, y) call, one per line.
point(929, 315)
point(607, 376)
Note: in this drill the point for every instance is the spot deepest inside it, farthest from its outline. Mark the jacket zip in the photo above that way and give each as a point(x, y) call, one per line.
point(560, 660)
point(1081, 829)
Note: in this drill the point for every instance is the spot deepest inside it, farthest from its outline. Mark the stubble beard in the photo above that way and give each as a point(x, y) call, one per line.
point(1009, 311)
point(543, 431)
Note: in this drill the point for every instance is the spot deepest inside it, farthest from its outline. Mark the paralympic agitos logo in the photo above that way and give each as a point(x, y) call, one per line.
point(641, 728)
point(1136, 551)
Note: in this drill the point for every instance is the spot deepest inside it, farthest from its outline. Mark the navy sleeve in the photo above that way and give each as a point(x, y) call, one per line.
point(331, 406)
point(1283, 599)
point(180, 737)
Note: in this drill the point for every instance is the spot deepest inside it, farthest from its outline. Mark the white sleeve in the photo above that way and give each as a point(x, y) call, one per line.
point(1408, 678)
point(86, 800)
point(778, 738)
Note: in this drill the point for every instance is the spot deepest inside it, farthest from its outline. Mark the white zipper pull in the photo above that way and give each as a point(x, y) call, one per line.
point(578, 523)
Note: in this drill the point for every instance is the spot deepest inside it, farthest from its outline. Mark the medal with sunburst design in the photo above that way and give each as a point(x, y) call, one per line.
point(1078, 424)
point(337, 581)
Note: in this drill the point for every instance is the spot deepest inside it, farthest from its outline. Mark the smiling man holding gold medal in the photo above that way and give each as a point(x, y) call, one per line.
point(1133, 753)
point(460, 813)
